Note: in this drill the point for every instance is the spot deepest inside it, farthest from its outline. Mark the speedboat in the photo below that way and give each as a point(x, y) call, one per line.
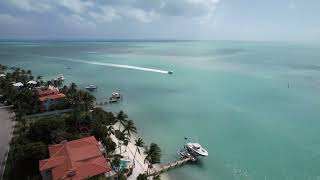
point(196, 149)
point(116, 95)
point(170, 72)
point(91, 87)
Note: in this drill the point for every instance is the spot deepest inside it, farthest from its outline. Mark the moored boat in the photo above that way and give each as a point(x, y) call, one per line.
point(113, 100)
point(91, 87)
point(116, 95)
point(196, 149)
point(61, 77)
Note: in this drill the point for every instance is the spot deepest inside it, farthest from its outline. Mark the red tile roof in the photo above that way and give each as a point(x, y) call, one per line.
point(78, 159)
point(47, 92)
point(52, 96)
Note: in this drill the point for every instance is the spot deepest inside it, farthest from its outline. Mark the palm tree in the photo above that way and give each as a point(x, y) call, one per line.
point(153, 155)
point(123, 138)
point(110, 130)
point(88, 100)
point(138, 143)
point(142, 177)
point(121, 118)
point(157, 177)
point(129, 128)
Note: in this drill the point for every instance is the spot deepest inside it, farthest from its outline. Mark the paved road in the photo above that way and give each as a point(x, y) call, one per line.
point(6, 128)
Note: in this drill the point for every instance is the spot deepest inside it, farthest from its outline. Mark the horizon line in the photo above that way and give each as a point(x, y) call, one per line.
point(142, 40)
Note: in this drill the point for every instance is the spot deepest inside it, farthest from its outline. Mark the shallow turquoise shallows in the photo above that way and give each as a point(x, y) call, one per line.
point(255, 106)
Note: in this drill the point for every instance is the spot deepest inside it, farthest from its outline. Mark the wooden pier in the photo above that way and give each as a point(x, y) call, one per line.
point(169, 166)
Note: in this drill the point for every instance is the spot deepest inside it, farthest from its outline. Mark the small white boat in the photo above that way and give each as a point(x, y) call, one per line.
point(32, 82)
point(18, 84)
point(91, 87)
point(116, 95)
point(113, 100)
point(61, 77)
point(196, 149)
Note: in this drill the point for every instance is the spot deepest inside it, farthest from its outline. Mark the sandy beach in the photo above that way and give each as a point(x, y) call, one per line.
point(140, 167)
point(6, 128)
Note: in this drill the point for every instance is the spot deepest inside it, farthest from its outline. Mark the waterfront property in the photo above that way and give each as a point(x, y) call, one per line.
point(49, 98)
point(77, 159)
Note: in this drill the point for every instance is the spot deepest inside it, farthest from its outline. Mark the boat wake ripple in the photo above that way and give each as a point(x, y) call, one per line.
point(108, 64)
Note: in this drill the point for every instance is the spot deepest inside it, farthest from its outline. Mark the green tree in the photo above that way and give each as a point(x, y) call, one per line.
point(109, 144)
point(129, 128)
point(26, 159)
point(156, 177)
point(142, 177)
point(121, 118)
point(153, 155)
point(41, 130)
point(139, 144)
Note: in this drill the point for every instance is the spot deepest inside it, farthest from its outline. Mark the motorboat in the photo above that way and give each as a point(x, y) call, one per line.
point(170, 72)
point(61, 77)
point(116, 95)
point(18, 84)
point(31, 82)
point(91, 87)
point(113, 100)
point(196, 149)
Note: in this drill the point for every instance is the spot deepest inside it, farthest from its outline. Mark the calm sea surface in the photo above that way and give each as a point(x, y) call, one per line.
point(254, 106)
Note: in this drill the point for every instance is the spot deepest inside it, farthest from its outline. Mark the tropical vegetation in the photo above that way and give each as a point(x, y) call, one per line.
point(33, 134)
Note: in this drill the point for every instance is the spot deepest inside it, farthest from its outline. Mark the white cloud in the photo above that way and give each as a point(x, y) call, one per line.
point(144, 11)
point(140, 15)
point(31, 5)
point(76, 6)
point(107, 14)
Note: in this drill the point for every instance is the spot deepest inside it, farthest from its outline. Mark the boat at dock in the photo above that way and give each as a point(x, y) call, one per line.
point(196, 149)
point(60, 78)
point(116, 95)
point(113, 100)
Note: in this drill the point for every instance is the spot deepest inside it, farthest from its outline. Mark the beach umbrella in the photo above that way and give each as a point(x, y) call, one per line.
point(32, 82)
point(19, 84)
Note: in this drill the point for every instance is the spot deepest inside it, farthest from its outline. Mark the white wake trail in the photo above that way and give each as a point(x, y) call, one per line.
point(109, 64)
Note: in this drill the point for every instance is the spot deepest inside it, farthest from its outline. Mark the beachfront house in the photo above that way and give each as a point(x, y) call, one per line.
point(77, 159)
point(49, 98)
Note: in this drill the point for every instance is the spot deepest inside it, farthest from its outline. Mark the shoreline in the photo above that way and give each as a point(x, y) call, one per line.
point(140, 166)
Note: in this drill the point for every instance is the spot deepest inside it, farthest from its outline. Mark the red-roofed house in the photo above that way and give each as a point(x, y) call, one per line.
point(49, 98)
point(78, 159)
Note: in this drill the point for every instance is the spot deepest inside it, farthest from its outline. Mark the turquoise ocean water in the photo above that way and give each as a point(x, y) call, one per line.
point(253, 105)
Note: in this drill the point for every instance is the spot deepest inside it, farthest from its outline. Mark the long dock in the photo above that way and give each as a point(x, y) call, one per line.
point(169, 166)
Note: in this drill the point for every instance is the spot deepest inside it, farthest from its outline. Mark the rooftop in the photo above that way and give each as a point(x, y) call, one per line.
point(52, 96)
point(78, 159)
point(47, 92)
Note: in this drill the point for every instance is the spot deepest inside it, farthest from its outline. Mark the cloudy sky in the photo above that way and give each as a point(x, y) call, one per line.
point(283, 20)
